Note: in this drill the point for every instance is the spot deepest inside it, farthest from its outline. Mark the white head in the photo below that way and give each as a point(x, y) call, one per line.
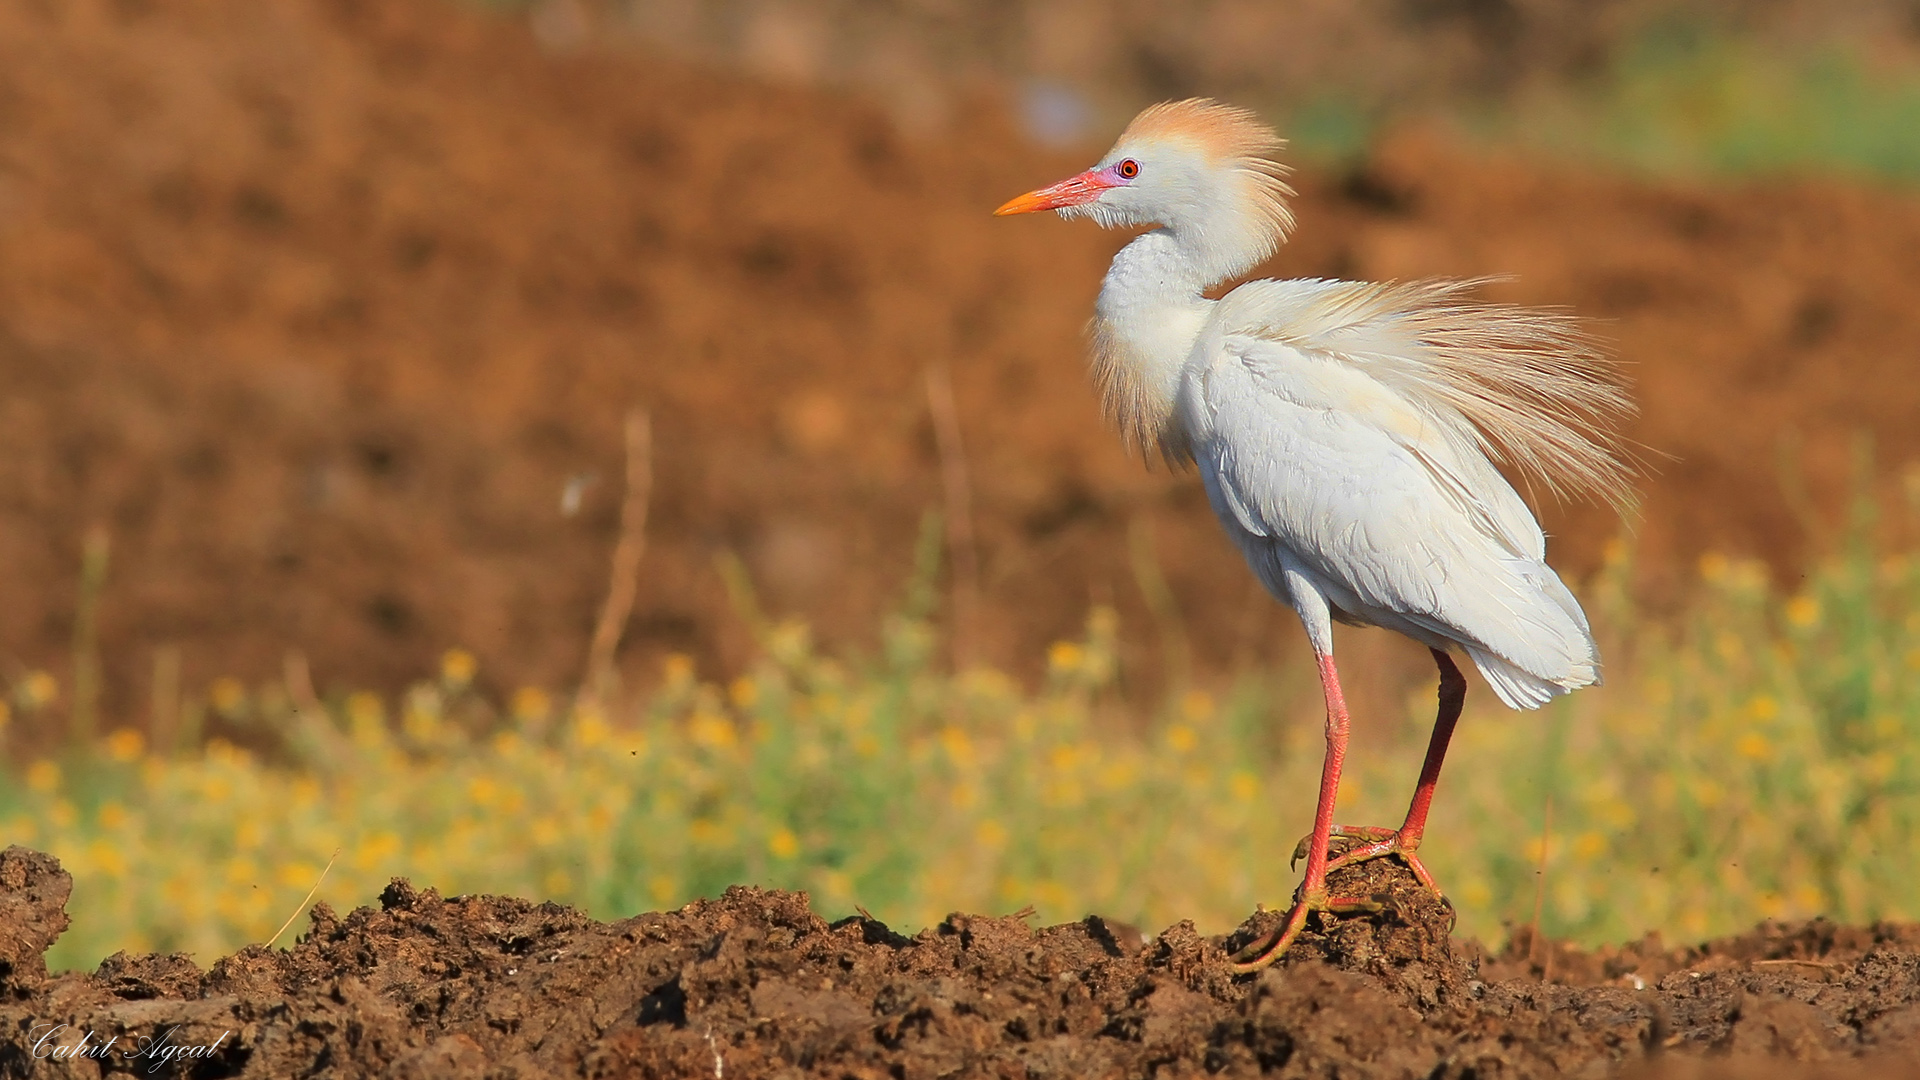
point(1202, 170)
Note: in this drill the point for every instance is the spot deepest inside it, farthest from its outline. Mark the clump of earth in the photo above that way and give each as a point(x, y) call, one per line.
point(754, 983)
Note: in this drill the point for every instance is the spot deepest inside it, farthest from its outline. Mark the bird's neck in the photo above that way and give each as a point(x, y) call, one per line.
point(1149, 315)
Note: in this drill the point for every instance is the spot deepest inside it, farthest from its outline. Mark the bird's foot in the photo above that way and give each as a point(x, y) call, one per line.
point(1304, 904)
point(1349, 845)
point(1352, 844)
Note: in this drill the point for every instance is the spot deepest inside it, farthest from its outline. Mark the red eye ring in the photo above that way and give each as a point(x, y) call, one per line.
point(1129, 169)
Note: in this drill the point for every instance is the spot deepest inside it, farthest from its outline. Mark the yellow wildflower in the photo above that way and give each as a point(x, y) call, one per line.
point(958, 746)
point(789, 642)
point(421, 723)
point(743, 692)
point(228, 696)
point(590, 727)
point(368, 718)
point(375, 848)
point(483, 791)
point(38, 690)
point(107, 858)
point(833, 886)
point(710, 730)
point(43, 776)
point(677, 669)
point(1244, 786)
point(662, 889)
point(126, 744)
point(458, 667)
point(1614, 551)
point(531, 705)
point(782, 844)
point(297, 874)
point(1803, 611)
point(707, 832)
point(1065, 657)
point(1754, 747)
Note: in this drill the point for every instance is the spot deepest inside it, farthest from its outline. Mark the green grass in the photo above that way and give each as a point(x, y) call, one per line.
point(1680, 99)
point(1759, 756)
point(1686, 101)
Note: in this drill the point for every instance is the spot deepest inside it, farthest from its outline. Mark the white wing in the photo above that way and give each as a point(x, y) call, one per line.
point(1390, 510)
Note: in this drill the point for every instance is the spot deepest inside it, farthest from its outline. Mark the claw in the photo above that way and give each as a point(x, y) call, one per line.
point(1377, 904)
point(1245, 962)
point(1274, 949)
point(1344, 838)
point(1364, 842)
point(1349, 845)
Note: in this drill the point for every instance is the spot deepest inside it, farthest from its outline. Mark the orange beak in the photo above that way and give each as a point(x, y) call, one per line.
point(1073, 191)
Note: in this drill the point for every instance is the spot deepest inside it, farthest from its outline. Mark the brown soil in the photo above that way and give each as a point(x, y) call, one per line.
point(755, 985)
point(317, 306)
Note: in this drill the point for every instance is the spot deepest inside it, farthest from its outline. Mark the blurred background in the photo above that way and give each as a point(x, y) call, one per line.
point(321, 321)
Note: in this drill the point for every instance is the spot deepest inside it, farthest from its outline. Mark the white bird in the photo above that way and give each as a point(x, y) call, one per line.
point(1348, 435)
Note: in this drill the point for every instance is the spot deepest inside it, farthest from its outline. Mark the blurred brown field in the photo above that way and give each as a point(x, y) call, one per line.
point(326, 314)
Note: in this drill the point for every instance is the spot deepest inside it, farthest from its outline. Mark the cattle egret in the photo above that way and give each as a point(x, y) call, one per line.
point(1348, 435)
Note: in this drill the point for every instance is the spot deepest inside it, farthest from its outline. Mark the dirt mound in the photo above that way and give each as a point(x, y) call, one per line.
point(319, 308)
point(754, 984)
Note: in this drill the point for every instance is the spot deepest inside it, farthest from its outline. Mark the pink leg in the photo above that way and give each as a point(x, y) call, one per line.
point(1453, 697)
point(1405, 842)
point(1339, 724)
point(1313, 891)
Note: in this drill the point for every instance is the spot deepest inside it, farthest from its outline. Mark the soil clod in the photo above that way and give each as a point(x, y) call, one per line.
point(755, 984)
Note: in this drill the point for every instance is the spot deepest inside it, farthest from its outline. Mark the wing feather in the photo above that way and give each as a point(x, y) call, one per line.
point(1527, 385)
point(1397, 520)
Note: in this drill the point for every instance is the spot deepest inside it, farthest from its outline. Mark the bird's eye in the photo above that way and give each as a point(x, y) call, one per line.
point(1129, 169)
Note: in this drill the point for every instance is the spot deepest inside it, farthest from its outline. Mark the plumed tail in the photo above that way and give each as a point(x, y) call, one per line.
point(1519, 689)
